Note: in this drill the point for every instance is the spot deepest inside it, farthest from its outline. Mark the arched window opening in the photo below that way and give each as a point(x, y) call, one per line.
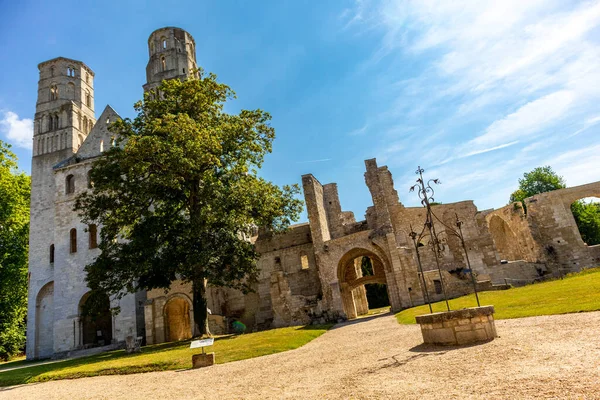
point(92, 230)
point(101, 146)
point(586, 212)
point(90, 125)
point(53, 92)
point(70, 184)
point(366, 266)
point(90, 183)
point(113, 141)
point(56, 122)
point(88, 99)
point(164, 42)
point(85, 125)
point(52, 254)
point(52, 71)
point(163, 64)
point(73, 240)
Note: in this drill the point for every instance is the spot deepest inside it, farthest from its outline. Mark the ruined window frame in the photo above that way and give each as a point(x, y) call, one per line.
point(70, 184)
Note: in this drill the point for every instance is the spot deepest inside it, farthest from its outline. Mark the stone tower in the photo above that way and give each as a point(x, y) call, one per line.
point(172, 55)
point(64, 116)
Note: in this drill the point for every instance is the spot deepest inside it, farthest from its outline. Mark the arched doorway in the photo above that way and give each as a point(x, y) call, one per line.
point(95, 320)
point(363, 284)
point(504, 238)
point(177, 319)
point(586, 212)
point(44, 322)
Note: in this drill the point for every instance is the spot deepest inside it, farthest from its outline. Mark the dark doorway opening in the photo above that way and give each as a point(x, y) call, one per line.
point(377, 295)
point(96, 320)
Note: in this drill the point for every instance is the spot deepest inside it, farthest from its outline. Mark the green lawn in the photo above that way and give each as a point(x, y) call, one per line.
point(167, 356)
point(575, 293)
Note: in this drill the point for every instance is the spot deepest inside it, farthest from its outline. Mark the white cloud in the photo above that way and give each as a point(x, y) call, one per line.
point(577, 166)
point(17, 131)
point(527, 120)
point(492, 74)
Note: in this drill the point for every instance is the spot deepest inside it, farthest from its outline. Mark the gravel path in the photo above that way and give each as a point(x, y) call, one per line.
point(540, 357)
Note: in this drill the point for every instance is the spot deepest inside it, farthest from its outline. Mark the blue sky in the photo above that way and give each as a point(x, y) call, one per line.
point(476, 92)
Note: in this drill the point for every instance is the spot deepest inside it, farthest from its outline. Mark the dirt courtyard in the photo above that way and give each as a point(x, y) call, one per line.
point(539, 357)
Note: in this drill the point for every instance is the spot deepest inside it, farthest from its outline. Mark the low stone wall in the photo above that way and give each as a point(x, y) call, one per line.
point(469, 325)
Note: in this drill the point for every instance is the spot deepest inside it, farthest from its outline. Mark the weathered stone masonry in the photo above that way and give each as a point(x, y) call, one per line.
point(310, 274)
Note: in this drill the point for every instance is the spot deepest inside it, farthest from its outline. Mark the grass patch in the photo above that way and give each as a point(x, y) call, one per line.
point(162, 357)
point(575, 293)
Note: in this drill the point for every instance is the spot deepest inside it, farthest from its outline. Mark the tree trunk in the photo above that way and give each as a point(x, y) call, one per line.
point(200, 307)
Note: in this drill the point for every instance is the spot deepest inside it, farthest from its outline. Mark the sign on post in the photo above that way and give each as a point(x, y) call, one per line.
point(202, 343)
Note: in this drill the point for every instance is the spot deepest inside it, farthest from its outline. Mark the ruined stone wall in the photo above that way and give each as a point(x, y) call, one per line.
point(286, 293)
point(511, 233)
point(554, 229)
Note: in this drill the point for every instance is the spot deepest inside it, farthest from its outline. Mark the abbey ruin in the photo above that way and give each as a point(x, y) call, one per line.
point(311, 274)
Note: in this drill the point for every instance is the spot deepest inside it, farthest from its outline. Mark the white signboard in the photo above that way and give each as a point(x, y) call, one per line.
point(202, 343)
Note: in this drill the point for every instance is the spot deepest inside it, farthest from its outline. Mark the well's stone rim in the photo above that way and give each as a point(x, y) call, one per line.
point(455, 314)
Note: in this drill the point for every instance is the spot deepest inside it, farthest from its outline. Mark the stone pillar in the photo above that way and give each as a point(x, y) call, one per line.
point(348, 300)
point(359, 295)
point(159, 320)
point(149, 321)
point(313, 196)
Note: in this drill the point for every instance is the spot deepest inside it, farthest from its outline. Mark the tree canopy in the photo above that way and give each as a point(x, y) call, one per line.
point(179, 196)
point(539, 180)
point(544, 179)
point(14, 239)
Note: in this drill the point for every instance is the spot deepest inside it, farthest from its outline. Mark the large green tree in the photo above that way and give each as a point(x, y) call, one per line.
point(539, 180)
point(544, 179)
point(180, 195)
point(14, 234)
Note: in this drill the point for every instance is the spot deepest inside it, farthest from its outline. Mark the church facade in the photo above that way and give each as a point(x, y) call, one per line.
point(315, 272)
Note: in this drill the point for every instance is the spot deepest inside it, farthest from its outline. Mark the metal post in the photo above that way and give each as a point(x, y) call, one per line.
point(464, 246)
point(413, 235)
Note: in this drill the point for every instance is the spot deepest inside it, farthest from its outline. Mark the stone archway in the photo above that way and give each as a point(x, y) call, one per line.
point(354, 274)
point(95, 320)
point(504, 238)
point(177, 314)
point(44, 321)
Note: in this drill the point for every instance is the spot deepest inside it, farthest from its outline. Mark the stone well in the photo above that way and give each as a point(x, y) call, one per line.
point(469, 325)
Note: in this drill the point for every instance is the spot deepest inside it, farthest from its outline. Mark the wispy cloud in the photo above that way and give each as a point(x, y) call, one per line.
point(527, 120)
point(503, 85)
point(17, 131)
point(313, 161)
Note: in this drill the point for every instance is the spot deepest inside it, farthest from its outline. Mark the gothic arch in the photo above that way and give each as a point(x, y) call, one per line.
point(44, 321)
point(178, 317)
point(507, 243)
point(351, 279)
point(96, 329)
